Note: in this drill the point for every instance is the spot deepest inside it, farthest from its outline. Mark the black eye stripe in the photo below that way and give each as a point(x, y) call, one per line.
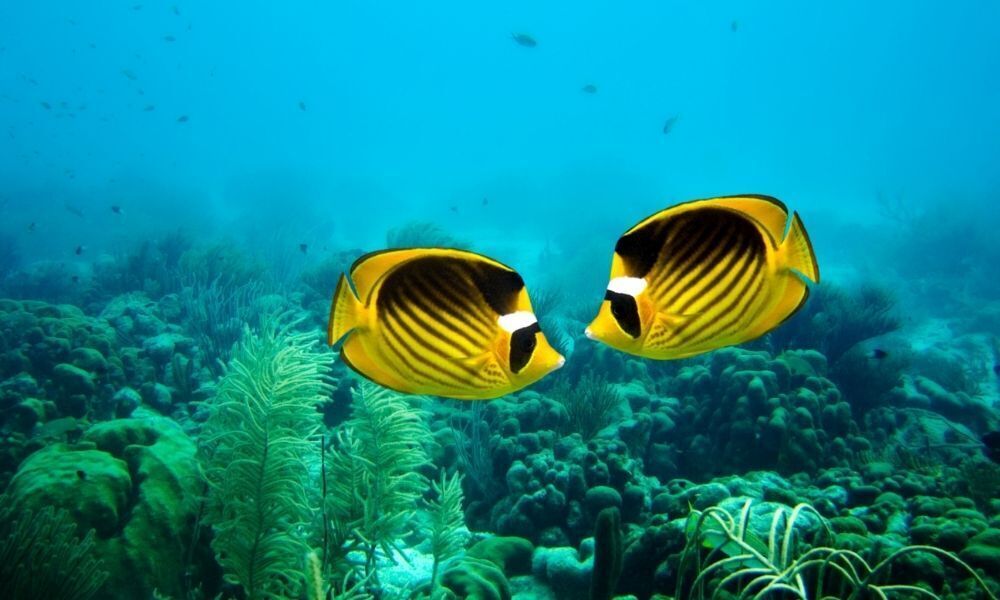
point(533, 328)
point(522, 346)
point(625, 312)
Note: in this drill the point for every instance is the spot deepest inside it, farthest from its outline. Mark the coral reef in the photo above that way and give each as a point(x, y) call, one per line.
point(165, 435)
point(134, 482)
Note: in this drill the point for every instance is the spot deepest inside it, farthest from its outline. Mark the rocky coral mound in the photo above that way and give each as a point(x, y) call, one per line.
point(136, 483)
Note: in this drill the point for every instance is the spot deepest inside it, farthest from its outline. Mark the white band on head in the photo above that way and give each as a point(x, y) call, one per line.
point(517, 320)
point(631, 286)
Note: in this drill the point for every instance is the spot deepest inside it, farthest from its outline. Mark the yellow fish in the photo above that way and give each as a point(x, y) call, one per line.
point(703, 275)
point(439, 321)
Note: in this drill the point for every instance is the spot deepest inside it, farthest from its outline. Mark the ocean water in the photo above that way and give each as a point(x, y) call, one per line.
point(182, 184)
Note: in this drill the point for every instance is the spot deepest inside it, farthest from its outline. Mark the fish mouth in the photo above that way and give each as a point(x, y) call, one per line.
point(590, 334)
point(560, 363)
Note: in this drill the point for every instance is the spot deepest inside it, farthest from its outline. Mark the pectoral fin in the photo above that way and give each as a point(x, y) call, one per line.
point(665, 325)
point(487, 369)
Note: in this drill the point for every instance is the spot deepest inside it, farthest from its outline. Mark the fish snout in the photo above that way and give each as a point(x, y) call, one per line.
point(590, 334)
point(560, 362)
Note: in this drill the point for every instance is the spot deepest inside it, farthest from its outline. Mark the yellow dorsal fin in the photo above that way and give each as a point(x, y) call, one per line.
point(370, 268)
point(769, 212)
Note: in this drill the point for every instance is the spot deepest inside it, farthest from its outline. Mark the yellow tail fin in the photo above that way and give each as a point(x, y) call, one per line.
point(345, 312)
point(798, 250)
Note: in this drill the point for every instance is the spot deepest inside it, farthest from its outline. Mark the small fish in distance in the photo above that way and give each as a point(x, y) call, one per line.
point(589, 89)
point(304, 248)
point(79, 250)
point(116, 209)
point(524, 39)
point(669, 125)
point(182, 119)
point(302, 105)
point(879, 354)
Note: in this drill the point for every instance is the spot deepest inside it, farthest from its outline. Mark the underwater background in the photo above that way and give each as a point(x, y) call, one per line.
point(182, 184)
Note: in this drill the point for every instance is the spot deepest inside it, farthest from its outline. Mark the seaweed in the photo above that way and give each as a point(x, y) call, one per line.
point(738, 562)
point(376, 462)
point(589, 403)
point(835, 319)
point(41, 556)
point(259, 440)
point(422, 234)
point(446, 521)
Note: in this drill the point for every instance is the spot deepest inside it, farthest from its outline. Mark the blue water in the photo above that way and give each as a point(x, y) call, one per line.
point(411, 109)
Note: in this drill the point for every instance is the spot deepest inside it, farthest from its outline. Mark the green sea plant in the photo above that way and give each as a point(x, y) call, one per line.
point(589, 403)
point(376, 463)
point(980, 479)
point(728, 560)
point(259, 443)
point(446, 522)
point(474, 446)
point(151, 266)
point(422, 234)
point(546, 302)
point(41, 557)
point(836, 319)
point(224, 262)
point(215, 314)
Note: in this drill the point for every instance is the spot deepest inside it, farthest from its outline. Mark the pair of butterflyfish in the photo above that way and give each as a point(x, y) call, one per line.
point(687, 280)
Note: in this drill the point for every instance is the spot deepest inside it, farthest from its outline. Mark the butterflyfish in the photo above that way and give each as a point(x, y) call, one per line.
point(703, 275)
point(439, 321)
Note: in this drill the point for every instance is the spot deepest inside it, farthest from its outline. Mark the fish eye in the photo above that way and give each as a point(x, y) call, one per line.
point(625, 312)
point(522, 346)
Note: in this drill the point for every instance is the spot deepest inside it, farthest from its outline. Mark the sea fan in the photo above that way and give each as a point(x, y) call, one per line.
point(377, 469)
point(41, 556)
point(447, 520)
point(420, 234)
point(260, 435)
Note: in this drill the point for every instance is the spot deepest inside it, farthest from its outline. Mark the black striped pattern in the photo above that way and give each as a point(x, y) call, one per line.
point(434, 318)
point(710, 275)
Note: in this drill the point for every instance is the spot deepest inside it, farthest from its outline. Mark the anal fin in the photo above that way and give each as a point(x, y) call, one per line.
point(356, 356)
point(794, 298)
